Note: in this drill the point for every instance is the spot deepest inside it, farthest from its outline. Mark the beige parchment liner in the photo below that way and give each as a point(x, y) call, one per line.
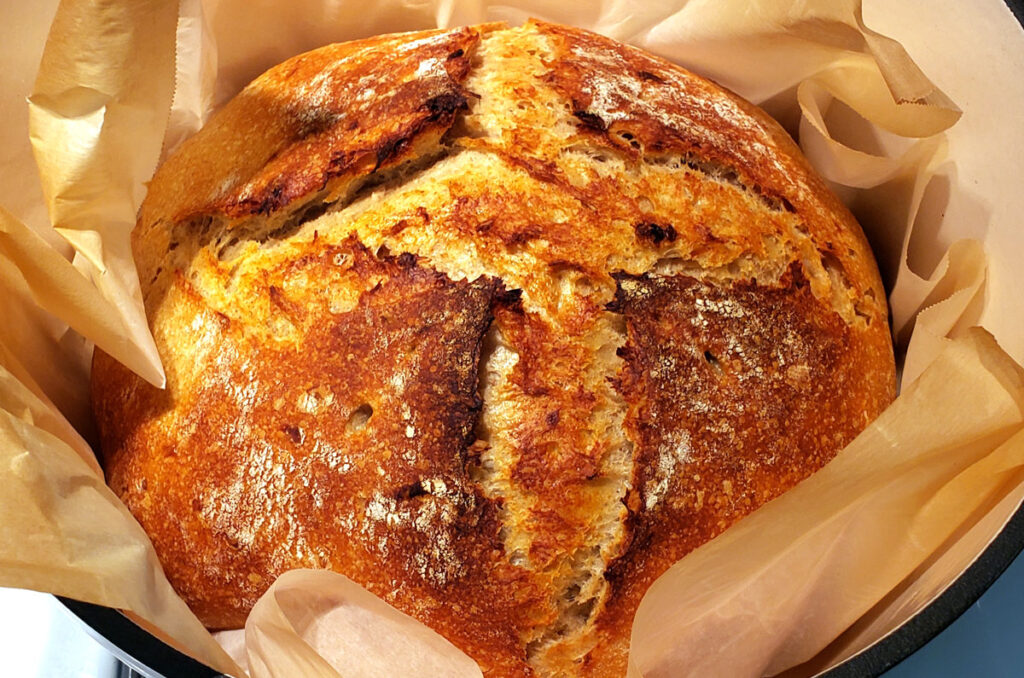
point(805, 582)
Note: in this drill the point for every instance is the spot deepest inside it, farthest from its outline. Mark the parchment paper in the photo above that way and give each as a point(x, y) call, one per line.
point(345, 631)
point(853, 552)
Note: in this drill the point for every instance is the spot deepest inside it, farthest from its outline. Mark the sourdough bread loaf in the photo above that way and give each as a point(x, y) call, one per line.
point(498, 322)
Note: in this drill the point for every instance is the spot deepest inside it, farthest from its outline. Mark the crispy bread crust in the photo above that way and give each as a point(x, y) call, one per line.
point(498, 322)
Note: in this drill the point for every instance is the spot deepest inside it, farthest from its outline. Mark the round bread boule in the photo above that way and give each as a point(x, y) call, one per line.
point(498, 322)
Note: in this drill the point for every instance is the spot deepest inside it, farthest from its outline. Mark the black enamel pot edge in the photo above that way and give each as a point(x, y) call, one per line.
point(1017, 7)
point(917, 631)
point(134, 646)
point(151, 657)
point(148, 655)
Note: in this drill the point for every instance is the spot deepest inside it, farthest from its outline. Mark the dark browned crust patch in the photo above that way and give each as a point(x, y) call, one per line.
point(346, 449)
point(339, 130)
point(635, 102)
point(315, 124)
point(736, 393)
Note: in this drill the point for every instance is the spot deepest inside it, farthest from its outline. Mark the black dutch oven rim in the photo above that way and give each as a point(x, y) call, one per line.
point(152, 657)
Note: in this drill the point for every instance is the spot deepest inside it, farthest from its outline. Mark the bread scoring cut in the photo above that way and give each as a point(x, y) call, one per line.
point(498, 322)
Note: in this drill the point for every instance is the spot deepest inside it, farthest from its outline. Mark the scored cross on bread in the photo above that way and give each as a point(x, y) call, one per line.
point(500, 323)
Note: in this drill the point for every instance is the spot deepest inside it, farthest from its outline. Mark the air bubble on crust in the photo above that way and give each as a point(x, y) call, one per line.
point(359, 418)
point(712, 360)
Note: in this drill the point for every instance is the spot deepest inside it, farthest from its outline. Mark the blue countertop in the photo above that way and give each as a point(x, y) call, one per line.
point(986, 641)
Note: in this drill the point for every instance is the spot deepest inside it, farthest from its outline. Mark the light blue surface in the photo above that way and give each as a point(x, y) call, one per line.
point(987, 641)
point(39, 638)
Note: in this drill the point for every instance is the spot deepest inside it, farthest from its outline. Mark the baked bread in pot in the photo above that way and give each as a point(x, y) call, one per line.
point(498, 322)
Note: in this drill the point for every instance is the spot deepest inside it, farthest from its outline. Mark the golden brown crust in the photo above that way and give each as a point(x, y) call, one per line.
point(646, 107)
point(499, 323)
point(734, 393)
point(361, 430)
point(341, 111)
